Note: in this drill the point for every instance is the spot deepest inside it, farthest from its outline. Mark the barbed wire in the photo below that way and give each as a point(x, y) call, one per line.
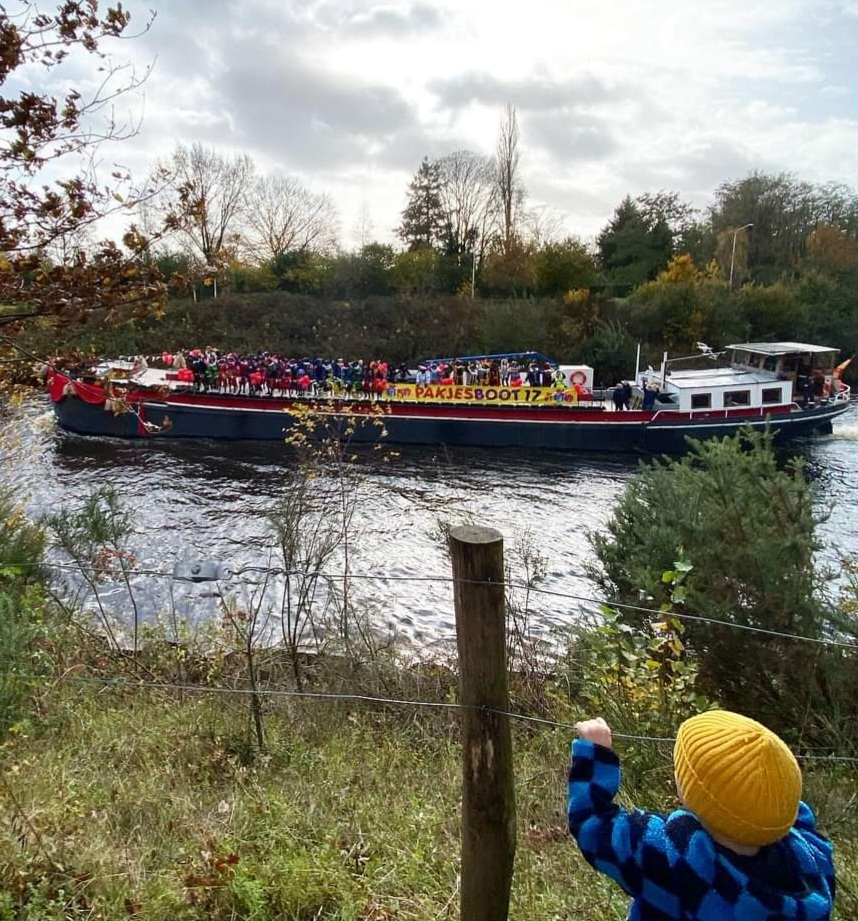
point(386, 701)
point(375, 577)
point(78, 566)
point(507, 584)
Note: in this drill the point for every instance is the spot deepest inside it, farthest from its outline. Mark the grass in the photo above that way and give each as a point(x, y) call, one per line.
point(132, 804)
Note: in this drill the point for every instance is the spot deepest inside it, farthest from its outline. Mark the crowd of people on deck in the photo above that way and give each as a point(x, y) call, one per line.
point(270, 374)
point(502, 372)
point(209, 370)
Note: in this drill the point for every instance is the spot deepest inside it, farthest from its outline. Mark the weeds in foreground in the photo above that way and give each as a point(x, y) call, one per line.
point(121, 801)
point(129, 802)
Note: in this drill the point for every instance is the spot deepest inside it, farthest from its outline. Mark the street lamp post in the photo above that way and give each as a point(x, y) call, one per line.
point(736, 233)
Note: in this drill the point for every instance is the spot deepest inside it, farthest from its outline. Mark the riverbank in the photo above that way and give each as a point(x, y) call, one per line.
point(123, 801)
point(186, 777)
point(394, 328)
point(578, 328)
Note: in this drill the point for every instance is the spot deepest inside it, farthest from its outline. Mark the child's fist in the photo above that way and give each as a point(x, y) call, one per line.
point(596, 731)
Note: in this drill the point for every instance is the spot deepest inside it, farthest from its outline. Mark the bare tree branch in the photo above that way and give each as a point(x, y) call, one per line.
point(468, 191)
point(216, 187)
point(286, 217)
point(510, 188)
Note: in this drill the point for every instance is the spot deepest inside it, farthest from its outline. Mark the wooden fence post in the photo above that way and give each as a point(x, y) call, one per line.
point(488, 788)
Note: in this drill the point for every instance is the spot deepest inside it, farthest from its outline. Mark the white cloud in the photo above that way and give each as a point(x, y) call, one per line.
point(611, 98)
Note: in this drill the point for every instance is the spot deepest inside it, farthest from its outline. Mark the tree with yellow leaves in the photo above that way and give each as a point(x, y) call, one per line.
point(684, 304)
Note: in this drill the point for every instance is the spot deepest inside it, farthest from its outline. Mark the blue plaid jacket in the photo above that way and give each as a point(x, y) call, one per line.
point(675, 871)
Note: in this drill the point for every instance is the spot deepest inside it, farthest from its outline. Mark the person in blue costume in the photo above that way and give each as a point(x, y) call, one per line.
point(743, 846)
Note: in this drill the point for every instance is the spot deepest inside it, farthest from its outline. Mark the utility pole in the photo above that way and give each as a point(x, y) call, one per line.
point(736, 233)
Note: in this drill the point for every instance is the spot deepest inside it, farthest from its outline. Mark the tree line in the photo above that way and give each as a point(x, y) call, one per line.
point(771, 256)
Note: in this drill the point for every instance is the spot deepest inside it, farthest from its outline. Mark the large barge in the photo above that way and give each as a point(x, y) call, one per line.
point(794, 388)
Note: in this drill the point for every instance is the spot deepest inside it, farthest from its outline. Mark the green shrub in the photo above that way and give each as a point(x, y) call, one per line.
point(22, 546)
point(747, 526)
point(21, 602)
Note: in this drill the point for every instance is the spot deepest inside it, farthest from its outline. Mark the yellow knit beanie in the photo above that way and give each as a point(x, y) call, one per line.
point(737, 777)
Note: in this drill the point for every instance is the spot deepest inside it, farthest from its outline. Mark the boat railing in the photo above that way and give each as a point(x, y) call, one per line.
point(692, 414)
point(725, 413)
point(843, 395)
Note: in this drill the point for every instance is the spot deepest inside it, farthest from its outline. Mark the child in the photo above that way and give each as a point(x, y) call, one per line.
point(743, 847)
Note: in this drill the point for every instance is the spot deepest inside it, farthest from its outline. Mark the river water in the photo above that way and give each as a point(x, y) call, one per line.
point(201, 500)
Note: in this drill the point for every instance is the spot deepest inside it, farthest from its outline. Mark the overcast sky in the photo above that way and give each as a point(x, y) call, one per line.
point(612, 98)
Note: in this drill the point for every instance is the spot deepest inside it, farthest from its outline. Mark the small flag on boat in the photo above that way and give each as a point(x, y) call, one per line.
point(841, 368)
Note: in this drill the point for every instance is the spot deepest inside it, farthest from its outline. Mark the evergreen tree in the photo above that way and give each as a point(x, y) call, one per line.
point(747, 528)
point(633, 250)
point(423, 220)
point(562, 266)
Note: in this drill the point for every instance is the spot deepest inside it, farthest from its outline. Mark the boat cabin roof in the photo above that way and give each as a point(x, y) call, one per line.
point(717, 377)
point(780, 348)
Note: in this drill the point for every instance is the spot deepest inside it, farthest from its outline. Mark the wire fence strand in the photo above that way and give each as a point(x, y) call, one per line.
point(508, 584)
point(123, 570)
point(318, 696)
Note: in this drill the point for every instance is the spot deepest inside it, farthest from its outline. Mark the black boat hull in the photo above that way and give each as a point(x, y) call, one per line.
point(260, 420)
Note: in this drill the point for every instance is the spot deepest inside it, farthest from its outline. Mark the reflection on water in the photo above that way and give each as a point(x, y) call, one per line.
point(209, 500)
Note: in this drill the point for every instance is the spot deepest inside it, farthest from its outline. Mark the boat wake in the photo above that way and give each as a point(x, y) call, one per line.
point(846, 432)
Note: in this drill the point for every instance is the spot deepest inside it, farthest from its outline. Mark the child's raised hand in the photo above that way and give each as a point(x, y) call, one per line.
point(595, 730)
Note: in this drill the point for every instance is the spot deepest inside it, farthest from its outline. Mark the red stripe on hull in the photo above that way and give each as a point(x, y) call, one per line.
point(464, 411)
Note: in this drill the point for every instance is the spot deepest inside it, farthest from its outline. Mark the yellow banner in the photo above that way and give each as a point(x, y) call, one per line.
point(453, 393)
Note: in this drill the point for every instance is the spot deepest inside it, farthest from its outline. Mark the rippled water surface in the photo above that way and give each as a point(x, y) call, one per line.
point(208, 500)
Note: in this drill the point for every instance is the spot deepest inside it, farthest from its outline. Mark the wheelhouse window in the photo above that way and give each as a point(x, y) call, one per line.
point(737, 398)
point(772, 395)
point(701, 400)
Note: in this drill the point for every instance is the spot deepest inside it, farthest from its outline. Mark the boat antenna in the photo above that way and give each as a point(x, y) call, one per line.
point(707, 350)
point(704, 349)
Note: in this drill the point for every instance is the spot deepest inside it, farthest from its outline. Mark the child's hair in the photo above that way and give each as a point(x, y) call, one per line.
point(737, 777)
